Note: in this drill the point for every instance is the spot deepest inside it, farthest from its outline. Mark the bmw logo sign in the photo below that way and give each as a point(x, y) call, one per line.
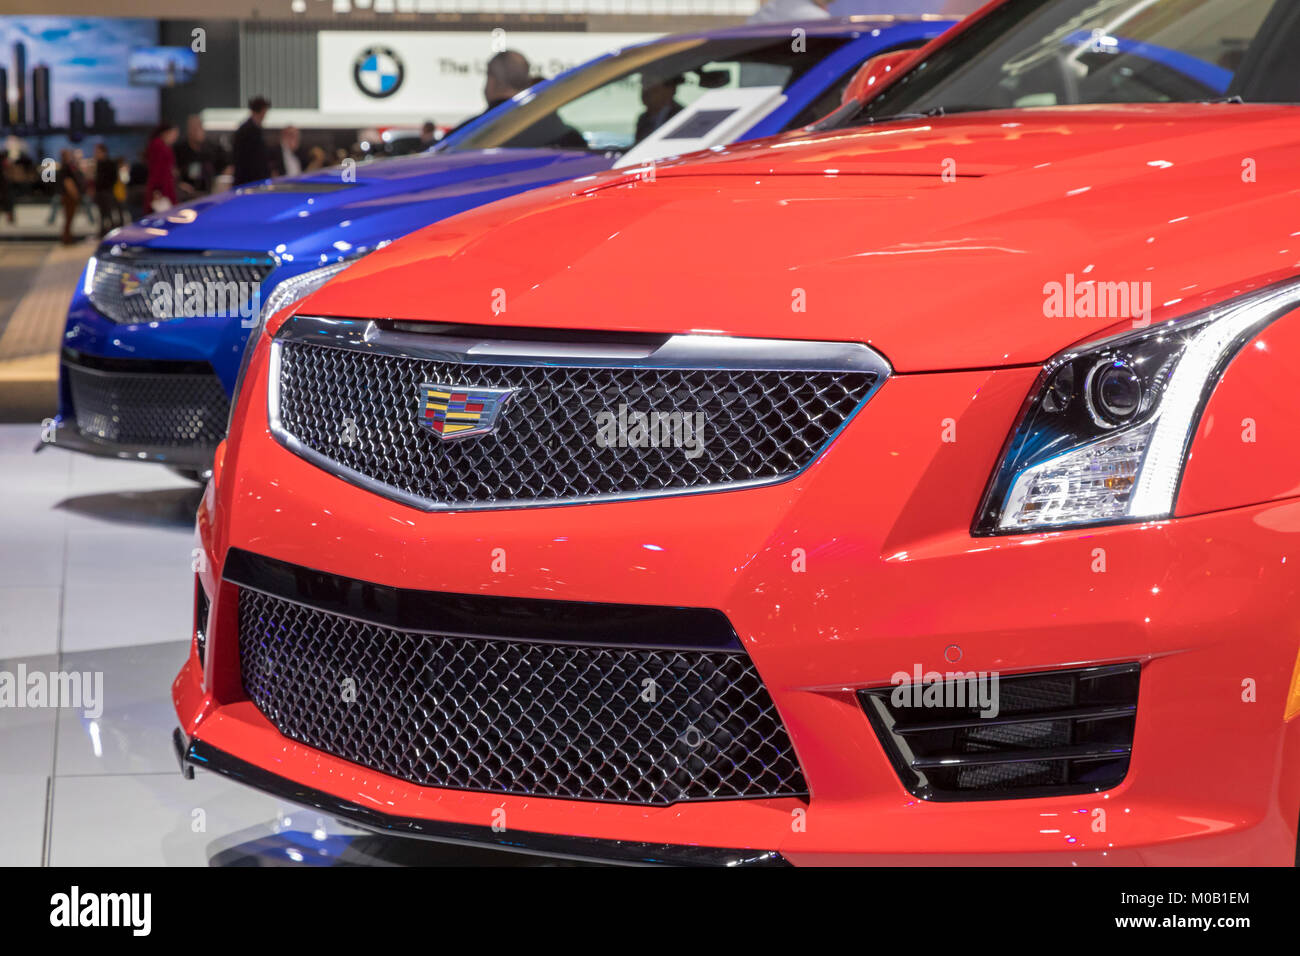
point(378, 72)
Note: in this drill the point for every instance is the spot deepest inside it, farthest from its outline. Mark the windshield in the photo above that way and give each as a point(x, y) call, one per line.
point(1033, 53)
point(613, 103)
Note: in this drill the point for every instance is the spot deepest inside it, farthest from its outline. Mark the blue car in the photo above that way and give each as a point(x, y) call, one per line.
point(156, 329)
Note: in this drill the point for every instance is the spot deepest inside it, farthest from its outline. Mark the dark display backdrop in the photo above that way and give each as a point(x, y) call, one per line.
point(217, 82)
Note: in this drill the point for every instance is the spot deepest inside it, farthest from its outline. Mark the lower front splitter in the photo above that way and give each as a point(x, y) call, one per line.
point(194, 753)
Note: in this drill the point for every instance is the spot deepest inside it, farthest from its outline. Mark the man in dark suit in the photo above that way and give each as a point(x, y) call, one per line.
point(252, 158)
point(198, 159)
point(507, 74)
point(290, 159)
point(659, 97)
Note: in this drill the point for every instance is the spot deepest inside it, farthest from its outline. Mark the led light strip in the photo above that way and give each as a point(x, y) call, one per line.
point(88, 284)
point(1162, 466)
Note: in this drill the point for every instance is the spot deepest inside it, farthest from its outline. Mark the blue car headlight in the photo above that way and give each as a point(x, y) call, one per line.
point(88, 276)
point(1105, 436)
point(283, 295)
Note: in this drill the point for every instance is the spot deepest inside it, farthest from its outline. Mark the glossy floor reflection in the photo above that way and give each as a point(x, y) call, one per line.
point(323, 845)
point(95, 579)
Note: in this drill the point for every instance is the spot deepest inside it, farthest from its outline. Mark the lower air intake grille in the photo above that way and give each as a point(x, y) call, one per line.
point(1054, 733)
point(165, 405)
point(505, 716)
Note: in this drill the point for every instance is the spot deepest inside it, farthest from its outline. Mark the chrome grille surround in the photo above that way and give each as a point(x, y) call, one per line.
point(208, 268)
point(772, 405)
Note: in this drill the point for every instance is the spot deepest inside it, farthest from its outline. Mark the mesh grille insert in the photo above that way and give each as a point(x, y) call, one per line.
point(362, 411)
point(154, 408)
point(518, 717)
point(1057, 732)
point(122, 286)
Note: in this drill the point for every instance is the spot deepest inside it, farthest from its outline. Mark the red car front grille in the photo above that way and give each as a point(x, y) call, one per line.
point(362, 412)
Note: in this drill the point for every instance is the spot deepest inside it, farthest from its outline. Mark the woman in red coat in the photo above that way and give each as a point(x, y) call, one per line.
point(160, 187)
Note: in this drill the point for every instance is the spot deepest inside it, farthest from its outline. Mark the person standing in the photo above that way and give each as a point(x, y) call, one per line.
point(106, 183)
point(160, 186)
point(56, 199)
point(251, 157)
point(290, 159)
point(508, 74)
point(6, 201)
point(70, 188)
point(198, 160)
point(659, 97)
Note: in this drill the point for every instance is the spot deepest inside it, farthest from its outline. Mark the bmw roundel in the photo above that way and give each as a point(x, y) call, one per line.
point(378, 72)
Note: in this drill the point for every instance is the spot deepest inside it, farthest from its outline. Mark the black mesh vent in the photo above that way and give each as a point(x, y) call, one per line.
point(155, 407)
point(362, 410)
point(504, 716)
point(1058, 732)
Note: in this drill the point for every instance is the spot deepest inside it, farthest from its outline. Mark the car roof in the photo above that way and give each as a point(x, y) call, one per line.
point(835, 26)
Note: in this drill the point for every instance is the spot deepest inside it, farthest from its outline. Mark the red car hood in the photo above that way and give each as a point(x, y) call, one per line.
point(936, 241)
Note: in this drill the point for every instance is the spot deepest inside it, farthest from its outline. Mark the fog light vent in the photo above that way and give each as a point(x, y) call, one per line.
point(1046, 734)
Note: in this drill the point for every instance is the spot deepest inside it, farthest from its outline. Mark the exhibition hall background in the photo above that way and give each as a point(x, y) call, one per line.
point(81, 93)
point(74, 70)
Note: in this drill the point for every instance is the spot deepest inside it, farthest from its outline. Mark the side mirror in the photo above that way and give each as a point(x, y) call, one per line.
point(871, 74)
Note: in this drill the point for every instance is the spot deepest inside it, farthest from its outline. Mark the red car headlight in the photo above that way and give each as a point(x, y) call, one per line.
point(1105, 437)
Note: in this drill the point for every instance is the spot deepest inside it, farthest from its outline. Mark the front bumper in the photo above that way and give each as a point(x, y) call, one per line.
point(1205, 604)
point(168, 412)
point(153, 392)
point(69, 438)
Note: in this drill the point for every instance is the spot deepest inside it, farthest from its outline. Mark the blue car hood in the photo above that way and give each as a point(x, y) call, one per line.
point(320, 214)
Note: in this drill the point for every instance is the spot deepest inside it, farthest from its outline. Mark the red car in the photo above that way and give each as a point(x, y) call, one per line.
point(921, 489)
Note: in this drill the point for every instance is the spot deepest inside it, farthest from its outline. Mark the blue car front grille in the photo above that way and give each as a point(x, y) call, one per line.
point(125, 284)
